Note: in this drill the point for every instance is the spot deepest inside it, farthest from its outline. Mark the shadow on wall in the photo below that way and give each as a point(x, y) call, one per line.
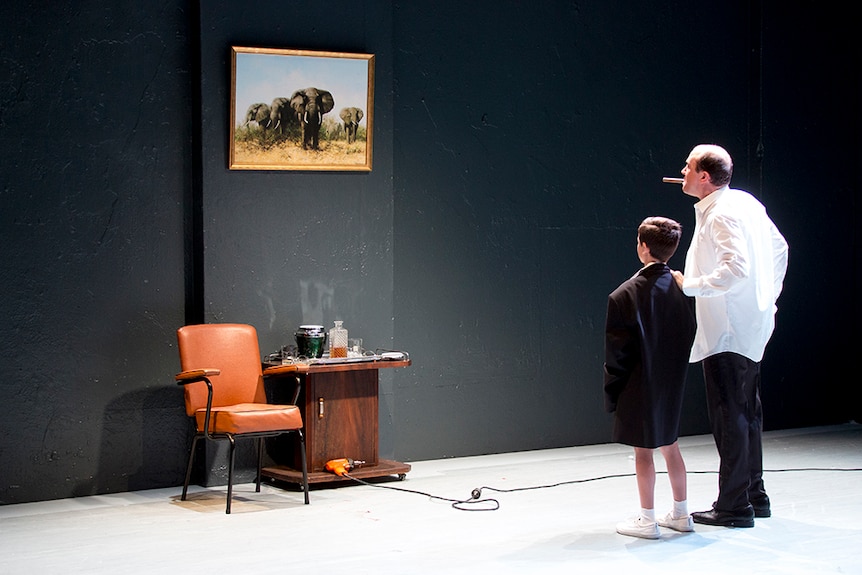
point(145, 441)
point(316, 299)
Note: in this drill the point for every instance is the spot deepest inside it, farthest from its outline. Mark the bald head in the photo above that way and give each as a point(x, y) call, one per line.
point(715, 161)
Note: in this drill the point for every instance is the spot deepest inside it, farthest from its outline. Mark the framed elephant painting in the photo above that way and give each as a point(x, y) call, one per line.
point(300, 110)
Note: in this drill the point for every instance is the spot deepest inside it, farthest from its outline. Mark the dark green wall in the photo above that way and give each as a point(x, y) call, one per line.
point(516, 148)
point(544, 137)
point(95, 133)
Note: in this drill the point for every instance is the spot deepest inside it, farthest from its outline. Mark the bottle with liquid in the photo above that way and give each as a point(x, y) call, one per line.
point(338, 340)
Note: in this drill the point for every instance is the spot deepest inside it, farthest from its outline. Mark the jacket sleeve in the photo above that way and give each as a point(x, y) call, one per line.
point(620, 354)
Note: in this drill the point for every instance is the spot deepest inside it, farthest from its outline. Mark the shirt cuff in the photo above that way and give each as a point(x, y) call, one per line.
point(691, 286)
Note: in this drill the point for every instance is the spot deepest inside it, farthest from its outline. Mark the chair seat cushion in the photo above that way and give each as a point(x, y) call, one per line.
point(250, 418)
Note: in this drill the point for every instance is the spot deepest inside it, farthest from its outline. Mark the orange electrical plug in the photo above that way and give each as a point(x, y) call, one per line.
point(340, 467)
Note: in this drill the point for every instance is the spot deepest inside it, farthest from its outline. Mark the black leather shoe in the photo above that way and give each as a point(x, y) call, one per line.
point(762, 512)
point(761, 508)
point(724, 518)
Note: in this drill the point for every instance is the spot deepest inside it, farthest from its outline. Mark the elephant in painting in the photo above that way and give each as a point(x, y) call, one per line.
point(309, 106)
point(258, 113)
point(280, 114)
point(351, 118)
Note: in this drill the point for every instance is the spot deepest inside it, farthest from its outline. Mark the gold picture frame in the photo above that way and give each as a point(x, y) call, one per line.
point(301, 110)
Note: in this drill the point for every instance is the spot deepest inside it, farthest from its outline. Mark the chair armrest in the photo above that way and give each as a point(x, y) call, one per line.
point(279, 370)
point(194, 375)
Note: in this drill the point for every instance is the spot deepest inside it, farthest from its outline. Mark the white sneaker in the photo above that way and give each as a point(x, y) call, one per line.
point(683, 524)
point(639, 527)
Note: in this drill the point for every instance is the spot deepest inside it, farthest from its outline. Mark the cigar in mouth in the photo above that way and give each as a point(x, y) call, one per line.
point(672, 180)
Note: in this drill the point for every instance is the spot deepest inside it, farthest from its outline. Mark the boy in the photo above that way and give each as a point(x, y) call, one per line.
point(649, 332)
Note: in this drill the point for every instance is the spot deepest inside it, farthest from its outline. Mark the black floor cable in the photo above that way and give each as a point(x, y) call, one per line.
point(490, 504)
point(460, 504)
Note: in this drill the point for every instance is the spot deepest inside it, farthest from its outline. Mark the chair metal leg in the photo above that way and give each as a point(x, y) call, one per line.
point(231, 458)
point(259, 462)
point(189, 467)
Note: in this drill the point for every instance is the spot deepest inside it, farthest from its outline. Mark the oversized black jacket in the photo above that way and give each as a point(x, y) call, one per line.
point(649, 331)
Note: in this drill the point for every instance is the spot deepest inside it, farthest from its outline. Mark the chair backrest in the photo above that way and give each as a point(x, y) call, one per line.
point(229, 347)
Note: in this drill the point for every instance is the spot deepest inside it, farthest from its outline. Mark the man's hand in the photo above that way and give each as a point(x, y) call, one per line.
point(677, 275)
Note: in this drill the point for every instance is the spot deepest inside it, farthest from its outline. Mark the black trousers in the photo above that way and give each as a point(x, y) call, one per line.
point(736, 418)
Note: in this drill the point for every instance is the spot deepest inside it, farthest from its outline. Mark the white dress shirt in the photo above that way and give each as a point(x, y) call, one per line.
point(735, 269)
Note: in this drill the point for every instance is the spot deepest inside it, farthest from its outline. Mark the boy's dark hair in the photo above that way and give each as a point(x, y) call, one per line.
point(662, 235)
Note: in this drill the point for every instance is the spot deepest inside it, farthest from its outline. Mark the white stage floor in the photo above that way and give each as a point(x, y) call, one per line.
point(816, 526)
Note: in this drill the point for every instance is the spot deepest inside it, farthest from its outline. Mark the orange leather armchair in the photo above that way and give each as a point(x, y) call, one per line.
point(224, 394)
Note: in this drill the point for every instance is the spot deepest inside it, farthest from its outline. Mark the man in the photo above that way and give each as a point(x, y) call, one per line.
point(735, 269)
point(648, 335)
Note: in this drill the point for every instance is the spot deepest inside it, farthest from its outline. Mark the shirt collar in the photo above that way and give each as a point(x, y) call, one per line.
point(706, 202)
point(647, 266)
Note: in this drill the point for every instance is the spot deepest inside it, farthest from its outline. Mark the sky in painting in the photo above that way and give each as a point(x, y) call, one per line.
point(264, 77)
